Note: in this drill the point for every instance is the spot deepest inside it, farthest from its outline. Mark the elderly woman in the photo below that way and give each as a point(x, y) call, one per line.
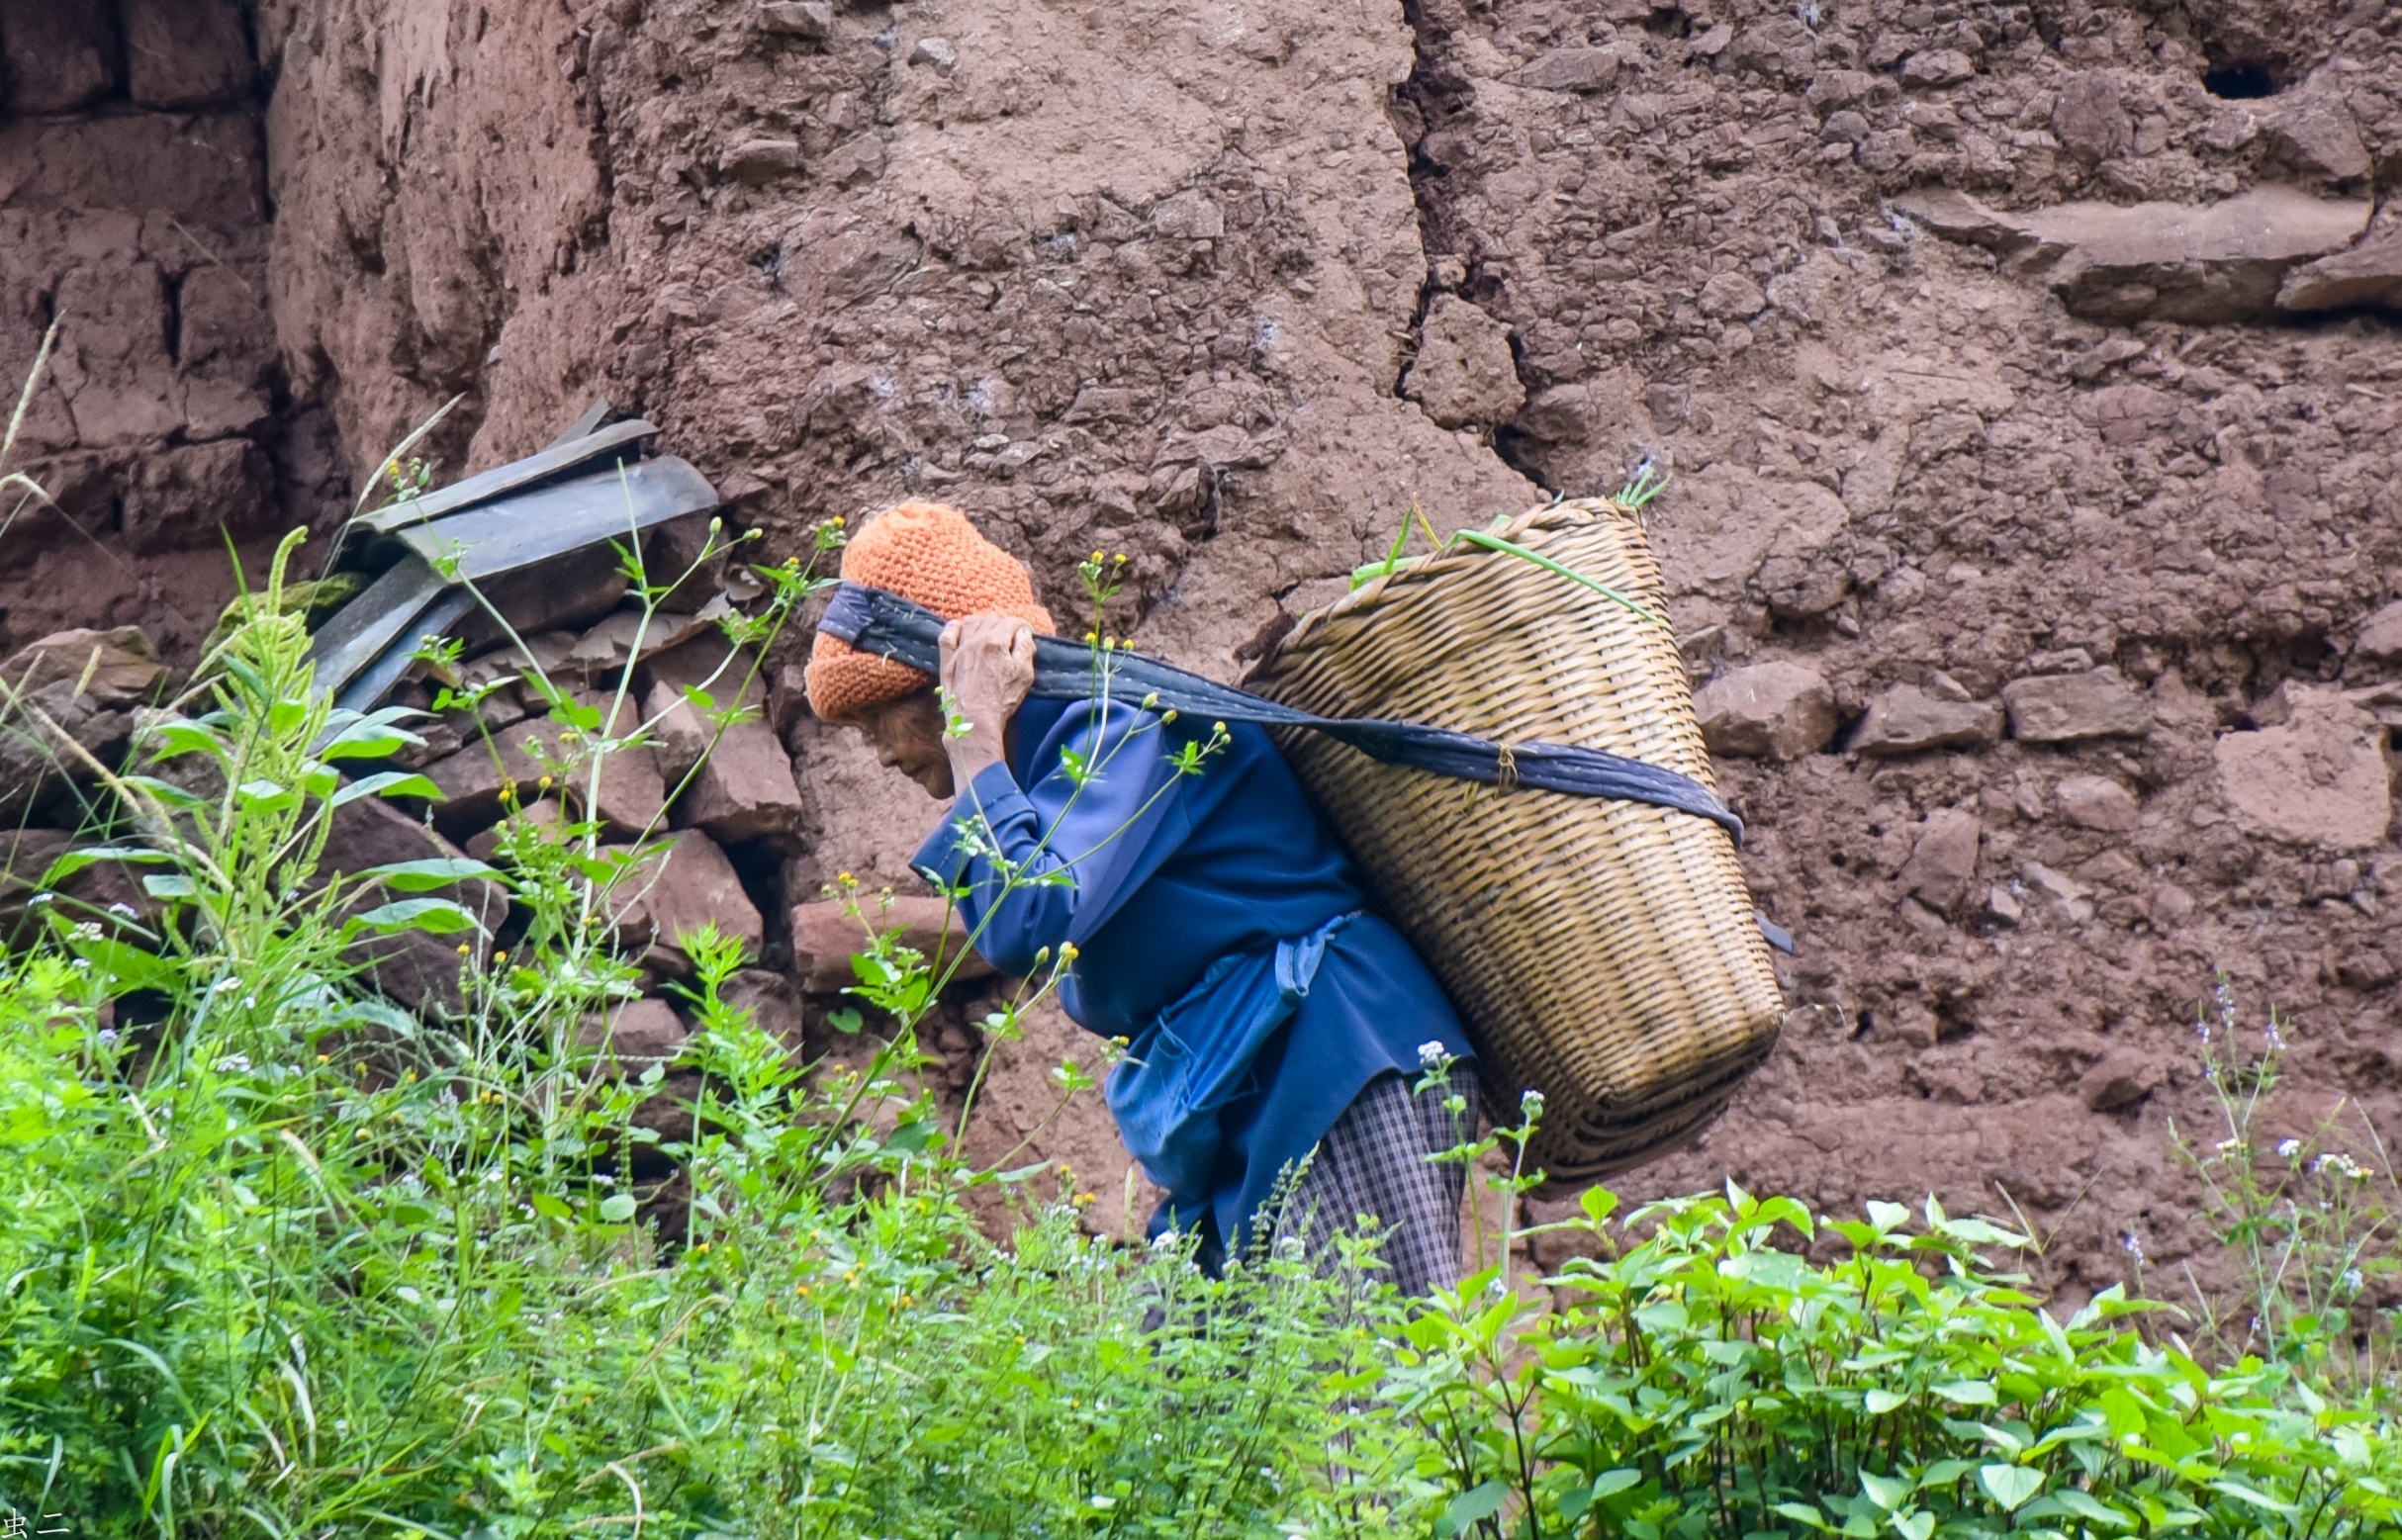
point(1276, 1025)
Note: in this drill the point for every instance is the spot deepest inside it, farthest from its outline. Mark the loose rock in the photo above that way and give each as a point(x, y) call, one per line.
point(2069, 707)
point(1770, 710)
point(1733, 296)
point(116, 668)
point(1906, 719)
point(1944, 860)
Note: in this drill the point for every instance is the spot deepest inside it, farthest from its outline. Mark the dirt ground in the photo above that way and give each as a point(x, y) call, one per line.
point(2030, 548)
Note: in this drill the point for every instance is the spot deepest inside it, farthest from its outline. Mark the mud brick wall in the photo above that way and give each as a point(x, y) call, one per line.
point(134, 208)
point(2028, 373)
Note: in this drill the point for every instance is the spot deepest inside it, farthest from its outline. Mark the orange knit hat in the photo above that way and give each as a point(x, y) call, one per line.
point(929, 553)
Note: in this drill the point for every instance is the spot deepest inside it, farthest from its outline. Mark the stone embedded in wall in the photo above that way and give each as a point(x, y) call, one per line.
point(185, 54)
point(810, 19)
point(679, 884)
point(2206, 264)
point(2070, 707)
point(180, 497)
point(2370, 273)
point(2316, 133)
point(2318, 779)
point(1943, 861)
point(2121, 1078)
point(2089, 118)
point(1465, 375)
point(58, 55)
point(760, 161)
point(635, 1034)
point(826, 935)
point(2097, 802)
point(1770, 710)
point(2381, 638)
point(1906, 719)
point(40, 731)
point(1569, 69)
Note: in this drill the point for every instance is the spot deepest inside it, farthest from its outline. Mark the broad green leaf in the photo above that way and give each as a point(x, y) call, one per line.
point(551, 1208)
point(122, 967)
point(263, 795)
point(1886, 1492)
point(419, 876)
point(1880, 1402)
point(1887, 1215)
point(388, 783)
point(618, 1207)
point(1968, 1393)
point(2009, 1484)
point(435, 916)
point(1916, 1524)
point(1610, 1483)
point(1473, 1505)
point(76, 861)
point(170, 886)
point(2259, 1500)
point(362, 743)
point(1802, 1514)
point(2088, 1507)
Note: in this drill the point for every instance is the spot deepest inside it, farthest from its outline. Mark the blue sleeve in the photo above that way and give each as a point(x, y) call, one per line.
point(1037, 866)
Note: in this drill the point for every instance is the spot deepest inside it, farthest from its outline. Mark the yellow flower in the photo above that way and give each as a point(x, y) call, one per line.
point(325, 1059)
point(802, 1290)
point(464, 948)
point(545, 782)
point(702, 1246)
point(1067, 952)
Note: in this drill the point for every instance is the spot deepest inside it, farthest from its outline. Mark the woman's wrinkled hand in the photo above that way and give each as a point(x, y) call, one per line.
point(988, 667)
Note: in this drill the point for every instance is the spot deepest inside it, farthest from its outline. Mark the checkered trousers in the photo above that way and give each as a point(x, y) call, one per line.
point(1372, 1163)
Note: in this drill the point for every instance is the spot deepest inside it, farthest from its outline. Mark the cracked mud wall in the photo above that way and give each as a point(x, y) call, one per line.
point(2073, 530)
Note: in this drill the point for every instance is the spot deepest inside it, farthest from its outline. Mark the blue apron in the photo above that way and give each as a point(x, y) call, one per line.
point(1195, 1059)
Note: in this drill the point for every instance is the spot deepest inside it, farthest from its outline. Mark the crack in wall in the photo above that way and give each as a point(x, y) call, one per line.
point(1432, 96)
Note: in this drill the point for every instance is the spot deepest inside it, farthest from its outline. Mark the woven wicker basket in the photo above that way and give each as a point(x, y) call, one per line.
point(1603, 953)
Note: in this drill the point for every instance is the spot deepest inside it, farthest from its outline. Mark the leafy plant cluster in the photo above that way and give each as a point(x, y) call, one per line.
point(278, 1260)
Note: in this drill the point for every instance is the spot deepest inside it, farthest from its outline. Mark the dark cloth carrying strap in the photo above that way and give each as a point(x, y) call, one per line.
point(883, 623)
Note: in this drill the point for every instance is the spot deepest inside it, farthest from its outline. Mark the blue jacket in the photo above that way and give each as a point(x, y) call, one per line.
point(1217, 925)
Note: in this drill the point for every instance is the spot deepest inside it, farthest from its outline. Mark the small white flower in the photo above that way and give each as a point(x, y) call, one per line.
point(2351, 1280)
point(125, 911)
point(2135, 1247)
point(233, 1064)
point(2288, 1149)
point(224, 984)
point(1431, 1055)
point(2230, 1147)
point(1530, 1104)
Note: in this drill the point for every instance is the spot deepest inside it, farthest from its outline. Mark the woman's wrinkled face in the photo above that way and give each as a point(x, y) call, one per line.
point(908, 736)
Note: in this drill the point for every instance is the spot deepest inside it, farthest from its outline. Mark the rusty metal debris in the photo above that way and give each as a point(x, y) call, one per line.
point(427, 555)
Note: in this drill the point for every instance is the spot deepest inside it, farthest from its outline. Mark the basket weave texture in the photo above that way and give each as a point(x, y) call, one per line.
point(1603, 953)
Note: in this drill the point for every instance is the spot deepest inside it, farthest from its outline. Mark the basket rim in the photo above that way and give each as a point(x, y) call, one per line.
point(1415, 571)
